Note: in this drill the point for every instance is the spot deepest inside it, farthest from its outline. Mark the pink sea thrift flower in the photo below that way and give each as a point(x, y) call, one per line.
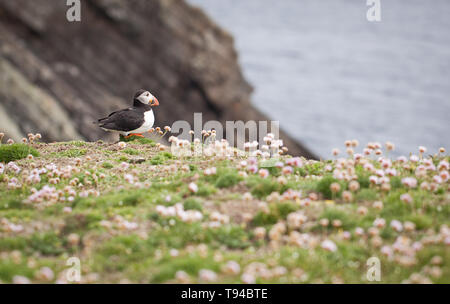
point(396, 225)
point(391, 172)
point(329, 245)
point(369, 167)
point(287, 170)
point(444, 176)
point(380, 173)
point(410, 182)
point(443, 165)
point(406, 198)
point(386, 163)
point(414, 158)
point(387, 251)
point(252, 161)
point(402, 159)
point(263, 173)
point(373, 179)
point(252, 169)
point(129, 178)
point(207, 275)
point(437, 179)
point(124, 166)
point(294, 162)
point(248, 278)
point(379, 222)
point(279, 165)
point(193, 187)
point(359, 231)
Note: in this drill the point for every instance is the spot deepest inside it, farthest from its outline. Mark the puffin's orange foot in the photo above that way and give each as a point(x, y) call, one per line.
point(134, 134)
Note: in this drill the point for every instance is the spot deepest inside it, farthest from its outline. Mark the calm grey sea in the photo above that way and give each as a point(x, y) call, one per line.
point(327, 74)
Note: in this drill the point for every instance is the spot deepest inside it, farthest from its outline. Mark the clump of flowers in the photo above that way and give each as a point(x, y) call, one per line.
point(329, 245)
point(207, 275)
point(178, 211)
point(216, 219)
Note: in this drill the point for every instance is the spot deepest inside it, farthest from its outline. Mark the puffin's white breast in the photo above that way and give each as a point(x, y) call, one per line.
point(149, 120)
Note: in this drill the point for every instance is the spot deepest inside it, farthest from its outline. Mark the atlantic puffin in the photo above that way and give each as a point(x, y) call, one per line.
point(135, 120)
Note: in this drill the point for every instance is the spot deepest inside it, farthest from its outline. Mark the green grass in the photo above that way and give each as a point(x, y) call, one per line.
point(131, 151)
point(15, 152)
point(72, 153)
point(122, 235)
point(161, 158)
point(107, 165)
point(324, 186)
point(261, 187)
point(140, 140)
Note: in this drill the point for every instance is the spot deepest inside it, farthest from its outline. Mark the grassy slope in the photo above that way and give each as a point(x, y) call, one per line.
point(112, 249)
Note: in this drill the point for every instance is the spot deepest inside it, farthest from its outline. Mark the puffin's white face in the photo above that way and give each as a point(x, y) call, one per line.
point(148, 98)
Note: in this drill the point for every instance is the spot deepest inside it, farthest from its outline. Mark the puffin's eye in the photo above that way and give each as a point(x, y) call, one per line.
point(147, 94)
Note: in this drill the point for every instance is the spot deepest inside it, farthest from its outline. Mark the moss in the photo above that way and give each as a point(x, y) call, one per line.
point(228, 179)
point(177, 236)
point(232, 236)
point(131, 151)
point(122, 159)
point(283, 209)
point(323, 186)
point(9, 269)
point(13, 243)
point(333, 213)
point(192, 204)
point(192, 264)
point(278, 211)
point(205, 190)
point(270, 166)
point(310, 169)
point(264, 219)
point(47, 243)
point(261, 187)
point(72, 153)
point(396, 182)
point(107, 165)
point(161, 158)
point(15, 152)
point(387, 233)
point(77, 143)
point(138, 139)
point(366, 195)
point(133, 199)
point(422, 221)
point(119, 199)
point(314, 168)
point(11, 203)
point(394, 207)
point(363, 177)
point(80, 221)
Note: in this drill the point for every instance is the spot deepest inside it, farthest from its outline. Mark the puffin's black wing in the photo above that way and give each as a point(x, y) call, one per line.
point(123, 120)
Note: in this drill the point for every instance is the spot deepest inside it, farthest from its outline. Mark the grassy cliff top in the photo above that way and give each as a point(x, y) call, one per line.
point(134, 212)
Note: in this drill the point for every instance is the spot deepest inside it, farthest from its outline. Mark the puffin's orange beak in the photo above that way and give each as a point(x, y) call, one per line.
point(155, 102)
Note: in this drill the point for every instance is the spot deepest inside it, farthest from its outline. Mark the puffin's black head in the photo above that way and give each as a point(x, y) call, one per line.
point(138, 93)
point(145, 97)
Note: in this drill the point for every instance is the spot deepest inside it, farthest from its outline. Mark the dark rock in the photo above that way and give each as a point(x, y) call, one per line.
point(59, 76)
point(136, 160)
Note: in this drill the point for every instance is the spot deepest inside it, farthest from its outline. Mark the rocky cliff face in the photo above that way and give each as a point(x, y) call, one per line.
point(56, 77)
